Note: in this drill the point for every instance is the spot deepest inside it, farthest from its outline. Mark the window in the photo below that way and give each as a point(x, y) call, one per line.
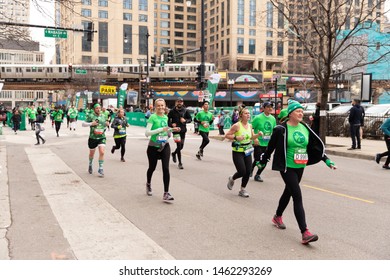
point(164, 41)
point(164, 7)
point(240, 30)
point(280, 48)
point(127, 4)
point(191, 26)
point(86, 59)
point(143, 5)
point(86, 46)
point(270, 11)
point(191, 18)
point(86, 2)
point(165, 33)
point(86, 13)
point(191, 35)
point(164, 15)
point(181, 17)
point(103, 37)
point(252, 32)
point(179, 25)
point(270, 34)
point(252, 46)
point(252, 13)
point(268, 47)
point(128, 33)
point(240, 12)
point(164, 24)
point(127, 61)
point(240, 45)
point(127, 16)
point(103, 14)
point(103, 60)
point(179, 42)
point(179, 34)
point(142, 46)
point(143, 18)
point(103, 3)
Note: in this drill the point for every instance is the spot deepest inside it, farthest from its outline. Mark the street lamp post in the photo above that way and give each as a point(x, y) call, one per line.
point(231, 83)
point(202, 43)
point(336, 69)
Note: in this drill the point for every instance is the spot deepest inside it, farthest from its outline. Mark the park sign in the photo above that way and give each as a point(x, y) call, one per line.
point(56, 33)
point(108, 90)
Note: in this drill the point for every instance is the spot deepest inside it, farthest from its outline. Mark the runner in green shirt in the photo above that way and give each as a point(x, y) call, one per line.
point(205, 119)
point(72, 115)
point(97, 138)
point(265, 123)
point(58, 116)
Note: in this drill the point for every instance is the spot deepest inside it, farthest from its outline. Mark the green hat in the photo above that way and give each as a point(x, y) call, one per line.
point(293, 105)
point(283, 113)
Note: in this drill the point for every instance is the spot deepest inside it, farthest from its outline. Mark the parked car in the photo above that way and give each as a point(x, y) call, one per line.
point(336, 120)
point(374, 117)
point(311, 107)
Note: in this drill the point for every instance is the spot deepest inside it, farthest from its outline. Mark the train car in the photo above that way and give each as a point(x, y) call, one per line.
point(29, 72)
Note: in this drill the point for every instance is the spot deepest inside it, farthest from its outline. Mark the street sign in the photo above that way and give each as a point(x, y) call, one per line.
point(81, 71)
point(56, 33)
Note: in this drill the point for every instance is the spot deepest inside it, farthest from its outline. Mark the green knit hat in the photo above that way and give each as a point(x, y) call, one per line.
point(293, 105)
point(283, 113)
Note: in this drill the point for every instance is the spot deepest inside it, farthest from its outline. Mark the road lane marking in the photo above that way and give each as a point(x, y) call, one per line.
point(94, 229)
point(339, 194)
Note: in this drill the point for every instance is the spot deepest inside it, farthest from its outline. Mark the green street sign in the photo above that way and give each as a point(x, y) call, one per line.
point(81, 71)
point(55, 33)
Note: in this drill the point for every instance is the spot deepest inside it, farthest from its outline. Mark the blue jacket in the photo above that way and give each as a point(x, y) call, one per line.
point(386, 127)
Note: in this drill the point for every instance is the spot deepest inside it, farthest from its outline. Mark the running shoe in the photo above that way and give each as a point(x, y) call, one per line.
point(123, 160)
point(230, 183)
point(43, 141)
point(90, 169)
point(148, 189)
point(386, 166)
point(174, 157)
point(378, 158)
point(243, 193)
point(198, 156)
point(201, 153)
point(308, 237)
point(101, 173)
point(258, 178)
point(277, 220)
point(181, 166)
point(112, 149)
point(167, 197)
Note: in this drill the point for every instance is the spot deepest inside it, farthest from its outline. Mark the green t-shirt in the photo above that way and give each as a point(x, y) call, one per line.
point(72, 113)
point(297, 141)
point(204, 116)
point(97, 132)
point(158, 122)
point(266, 125)
point(58, 115)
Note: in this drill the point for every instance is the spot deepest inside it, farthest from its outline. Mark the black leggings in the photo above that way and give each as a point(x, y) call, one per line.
point(205, 139)
point(256, 155)
point(153, 156)
point(38, 136)
point(292, 178)
point(243, 165)
point(387, 139)
point(120, 143)
point(58, 126)
point(180, 146)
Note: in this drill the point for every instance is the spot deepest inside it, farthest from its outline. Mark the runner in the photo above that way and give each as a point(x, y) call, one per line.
point(72, 115)
point(97, 137)
point(265, 123)
point(119, 125)
point(241, 133)
point(179, 117)
point(295, 146)
point(205, 119)
point(58, 117)
point(158, 147)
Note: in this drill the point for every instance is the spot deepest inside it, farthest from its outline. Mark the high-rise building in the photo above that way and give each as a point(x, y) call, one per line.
point(237, 34)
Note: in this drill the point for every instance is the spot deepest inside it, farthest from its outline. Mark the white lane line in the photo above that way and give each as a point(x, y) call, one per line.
point(5, 214)
point(94, 229)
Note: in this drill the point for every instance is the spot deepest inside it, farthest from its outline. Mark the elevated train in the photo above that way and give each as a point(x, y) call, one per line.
point(119, 72)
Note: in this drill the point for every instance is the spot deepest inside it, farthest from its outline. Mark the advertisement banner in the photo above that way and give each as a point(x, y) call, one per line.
point(132, 97)
point(122, 95)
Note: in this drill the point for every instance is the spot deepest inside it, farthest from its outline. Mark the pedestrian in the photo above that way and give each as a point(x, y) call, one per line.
point(119, 125)
point(158, 147)
point(97, 137)
point(355, 119)
point(196, 124)
point(242, 135)
point(179, 116)
point(386, 131)
point(58, 117)
point(39, 127)
point(315, 119)
point(235, 116)
point(221, 122)
point(295, 146)
point(204, 119)
point(265, 123)
point(72, 115)
point(32, 115)
point(16, 120)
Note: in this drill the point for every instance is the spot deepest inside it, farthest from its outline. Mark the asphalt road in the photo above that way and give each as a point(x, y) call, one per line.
point(59, 211)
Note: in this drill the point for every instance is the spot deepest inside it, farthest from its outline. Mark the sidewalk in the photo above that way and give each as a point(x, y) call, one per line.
point(339, 146)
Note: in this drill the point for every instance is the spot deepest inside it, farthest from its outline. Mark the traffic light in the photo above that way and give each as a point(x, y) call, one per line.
point(153, 61)
point(143, 89)
point(170, 55)
point(108, 70)
point(199, 73)
point(90, 31)
point(70, 69)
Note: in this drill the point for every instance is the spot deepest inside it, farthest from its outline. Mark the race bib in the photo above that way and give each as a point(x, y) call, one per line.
point(162, 138)
point(176, 138)
point(98, 131)
point(122, 131)
point(248, 150)
point(266, 137)
point(300, 156)
point(206, 125)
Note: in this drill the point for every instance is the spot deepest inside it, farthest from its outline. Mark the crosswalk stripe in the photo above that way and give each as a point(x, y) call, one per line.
point(94, 229)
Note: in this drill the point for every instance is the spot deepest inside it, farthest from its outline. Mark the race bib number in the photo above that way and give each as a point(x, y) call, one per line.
point(176, 138)
point(266, 137)
point(300, 156)
point(162, 138)
point(122, 131)
point(206, 125)
point(248, 150)
point(98, 131)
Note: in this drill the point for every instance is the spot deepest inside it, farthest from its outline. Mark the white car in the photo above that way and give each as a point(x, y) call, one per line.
point(374, 117)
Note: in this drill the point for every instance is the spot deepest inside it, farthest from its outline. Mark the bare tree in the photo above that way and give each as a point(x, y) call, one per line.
point(331, 31)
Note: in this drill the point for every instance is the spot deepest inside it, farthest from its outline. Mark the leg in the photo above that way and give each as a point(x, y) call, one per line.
point(152, 158)
point(353, 135)
point(180, 146)
point(205, 141)
point(358, 139)
point(387, 139)
point(165, 154)
point(123, 147)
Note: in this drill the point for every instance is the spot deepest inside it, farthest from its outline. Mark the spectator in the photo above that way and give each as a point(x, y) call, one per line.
point(355, 119)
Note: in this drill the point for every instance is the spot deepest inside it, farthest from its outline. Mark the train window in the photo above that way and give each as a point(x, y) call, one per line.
point(171, 69)
point(40, 69)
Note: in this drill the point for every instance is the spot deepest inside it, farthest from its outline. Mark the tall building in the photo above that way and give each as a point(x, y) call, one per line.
point(239, 34)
